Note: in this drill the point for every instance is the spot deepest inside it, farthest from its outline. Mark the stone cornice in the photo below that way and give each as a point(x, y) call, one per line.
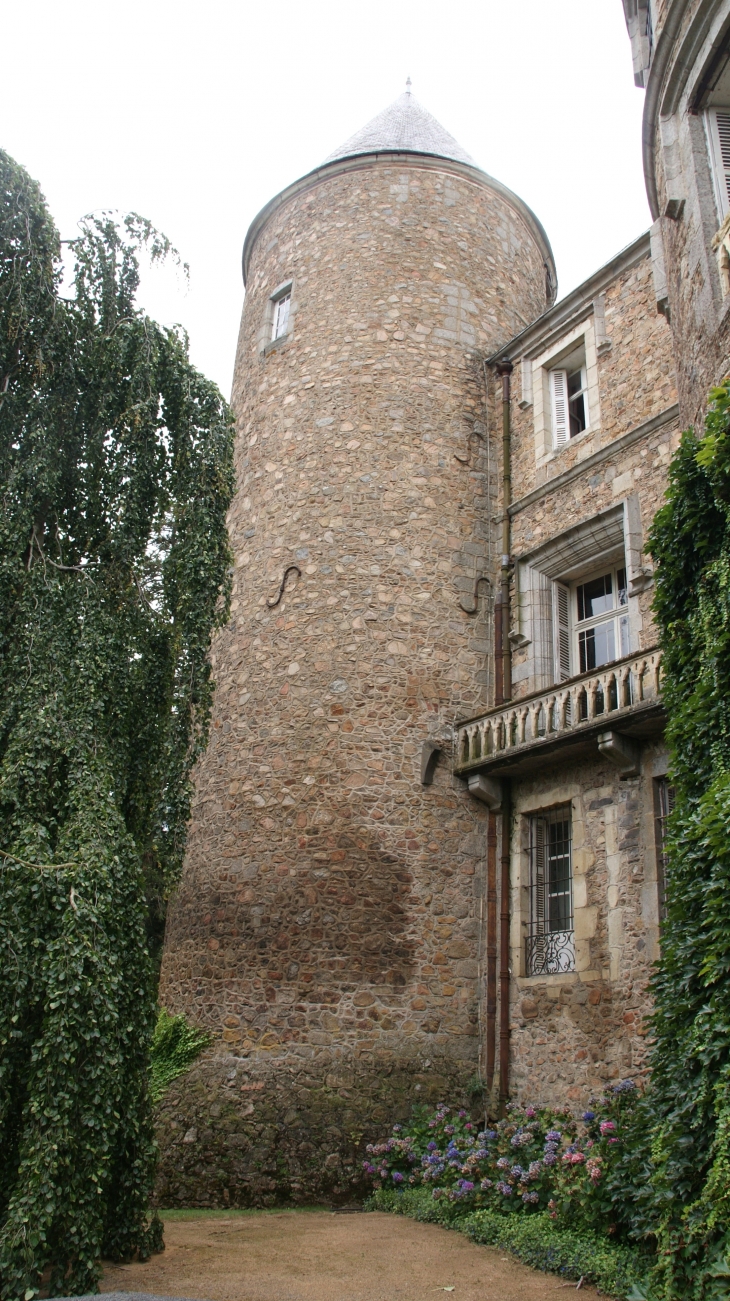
point(364, 162)
point(574, 307)
point(678, 62)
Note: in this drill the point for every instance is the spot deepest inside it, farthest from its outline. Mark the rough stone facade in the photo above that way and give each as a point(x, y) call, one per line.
point(327, 929)
point(333, 929)
point(685, 70)
point(575, 1032)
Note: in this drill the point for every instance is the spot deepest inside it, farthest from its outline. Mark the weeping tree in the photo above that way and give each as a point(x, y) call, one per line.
point(687, 1197)
point(116, 473)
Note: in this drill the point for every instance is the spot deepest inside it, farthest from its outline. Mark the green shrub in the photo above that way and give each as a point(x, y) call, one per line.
point(175, 1046)
point(536, 1240)
point(587, 1172)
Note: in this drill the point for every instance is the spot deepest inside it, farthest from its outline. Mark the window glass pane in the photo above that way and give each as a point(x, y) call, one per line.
point(621, 590)
point(576, 403)
point(550, 944)
point(595, 597)
point(559, 918)
point(597, 646)
point(281, 316)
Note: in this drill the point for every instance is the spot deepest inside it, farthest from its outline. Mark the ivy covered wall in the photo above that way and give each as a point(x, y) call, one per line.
point(116, 473)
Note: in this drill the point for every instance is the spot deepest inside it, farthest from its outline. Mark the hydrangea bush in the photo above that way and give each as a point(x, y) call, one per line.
point(536, 1159)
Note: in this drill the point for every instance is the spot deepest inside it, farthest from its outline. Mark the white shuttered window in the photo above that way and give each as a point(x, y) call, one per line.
point(717, 122)
point(559, 406)
point(561, 628)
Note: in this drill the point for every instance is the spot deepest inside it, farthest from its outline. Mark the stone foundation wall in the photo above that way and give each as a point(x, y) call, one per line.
point(236, 1133)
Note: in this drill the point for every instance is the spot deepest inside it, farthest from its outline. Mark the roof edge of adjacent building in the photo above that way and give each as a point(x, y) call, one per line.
point(579, 302)
point(362, 162)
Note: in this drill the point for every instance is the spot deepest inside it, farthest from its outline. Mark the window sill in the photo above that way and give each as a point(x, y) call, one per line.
point(559, 980)
point(275, 344)
point(577, 441)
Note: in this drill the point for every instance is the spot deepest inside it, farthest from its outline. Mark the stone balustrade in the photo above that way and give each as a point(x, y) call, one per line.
point(605, 695)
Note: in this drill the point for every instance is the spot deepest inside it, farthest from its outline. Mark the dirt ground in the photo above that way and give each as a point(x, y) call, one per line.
point(316, 1255)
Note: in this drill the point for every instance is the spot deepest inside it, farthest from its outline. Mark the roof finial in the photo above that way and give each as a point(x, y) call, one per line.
point(408, 85)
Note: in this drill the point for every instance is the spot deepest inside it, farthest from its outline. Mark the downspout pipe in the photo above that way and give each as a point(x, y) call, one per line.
point(504, 371)
point(504, 969)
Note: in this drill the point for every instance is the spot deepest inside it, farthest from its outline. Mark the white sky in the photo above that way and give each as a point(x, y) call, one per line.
point(196, 114)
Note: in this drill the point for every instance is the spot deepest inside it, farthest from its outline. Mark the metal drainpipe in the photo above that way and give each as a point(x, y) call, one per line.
point(504, 370)
point(491, 1037)
point(504, 971)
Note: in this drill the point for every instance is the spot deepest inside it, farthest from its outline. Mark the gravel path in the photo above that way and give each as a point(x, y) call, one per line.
point(319, 1256)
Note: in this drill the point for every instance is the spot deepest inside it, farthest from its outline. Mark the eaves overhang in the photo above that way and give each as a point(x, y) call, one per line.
point(576, 305)
point(365, 162)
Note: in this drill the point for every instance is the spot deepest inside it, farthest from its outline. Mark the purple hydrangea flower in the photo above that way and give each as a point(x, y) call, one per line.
point(588, 1116)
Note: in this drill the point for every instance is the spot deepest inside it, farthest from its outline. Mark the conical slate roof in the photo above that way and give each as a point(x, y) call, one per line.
point(403, 127)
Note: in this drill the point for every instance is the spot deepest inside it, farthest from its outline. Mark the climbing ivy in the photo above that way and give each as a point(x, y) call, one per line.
point(116, 474)
point(176, 1044)
point(687, 1204)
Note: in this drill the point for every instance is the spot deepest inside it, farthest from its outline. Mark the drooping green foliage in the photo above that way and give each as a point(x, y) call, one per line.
point(115, 476)
point(176, 1044)
point(688, 1201)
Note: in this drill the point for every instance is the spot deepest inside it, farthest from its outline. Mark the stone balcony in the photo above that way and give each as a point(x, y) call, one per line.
point(610, 710)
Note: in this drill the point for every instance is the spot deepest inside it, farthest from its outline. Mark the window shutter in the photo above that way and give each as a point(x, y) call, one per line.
point(718, 130)
point(561, 630)
point(559, 404)
point(539, 879)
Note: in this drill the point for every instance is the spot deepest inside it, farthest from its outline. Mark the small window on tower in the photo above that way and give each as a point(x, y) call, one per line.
point(280, 323)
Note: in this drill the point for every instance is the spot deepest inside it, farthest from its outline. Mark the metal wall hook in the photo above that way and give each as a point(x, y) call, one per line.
point(292, 569)
point(481, 579)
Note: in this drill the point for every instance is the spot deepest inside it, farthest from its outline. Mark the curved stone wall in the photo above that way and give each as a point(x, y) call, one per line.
point(327, 929)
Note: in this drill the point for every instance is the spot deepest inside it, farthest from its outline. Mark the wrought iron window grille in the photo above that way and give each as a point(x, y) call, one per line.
point(550, 941)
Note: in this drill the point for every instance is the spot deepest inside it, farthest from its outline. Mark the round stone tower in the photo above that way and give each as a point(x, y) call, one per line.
point(327, 930)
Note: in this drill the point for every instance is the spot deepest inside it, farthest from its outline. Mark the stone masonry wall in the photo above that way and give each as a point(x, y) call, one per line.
point(327, 926)
point(573, 1034)
point(700, 315)
point(636, 380)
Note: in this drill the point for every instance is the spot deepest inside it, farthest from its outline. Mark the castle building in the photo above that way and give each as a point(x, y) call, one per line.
point(425, 854)
point(681, 52)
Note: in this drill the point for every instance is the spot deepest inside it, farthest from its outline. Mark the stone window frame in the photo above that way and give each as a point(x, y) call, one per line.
point(265, 342)
point(536, 382)
point(539, 924)
point(527, 803)
point(654, 767)
point(610, 536)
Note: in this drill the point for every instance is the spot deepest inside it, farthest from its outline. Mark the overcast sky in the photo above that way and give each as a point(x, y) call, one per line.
point(196, 114)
